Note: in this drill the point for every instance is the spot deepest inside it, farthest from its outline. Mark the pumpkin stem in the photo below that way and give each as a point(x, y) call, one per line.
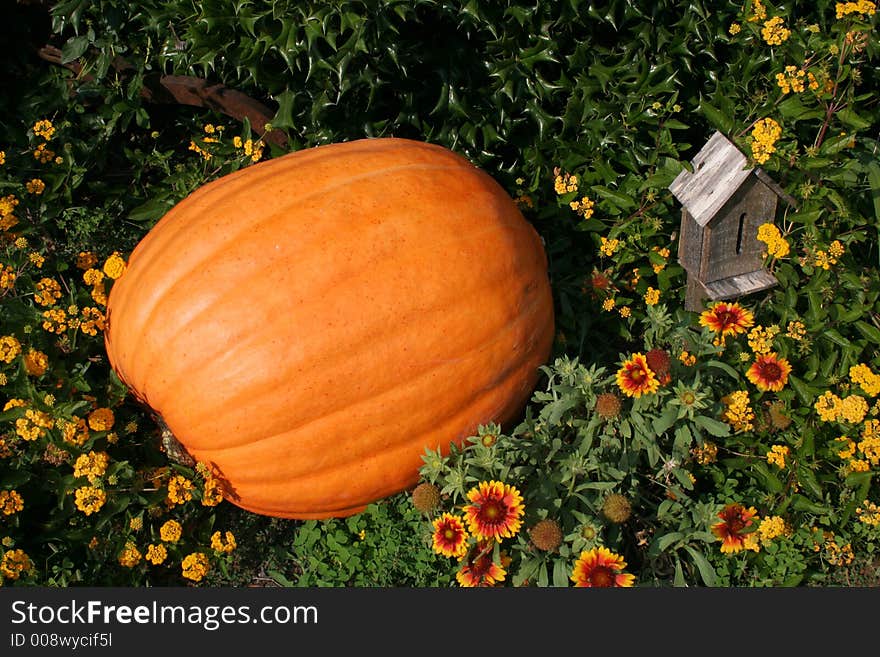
point(173, 447)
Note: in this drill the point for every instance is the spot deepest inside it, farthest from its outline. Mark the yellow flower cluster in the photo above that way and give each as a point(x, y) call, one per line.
point(195, 566)
point(224, 542)
point(7, 277)
point(43, 154)
point(35, 186)
point(774, 31)
point(687, 359)
point(796, 79)
point(91, 465)
point(777, 246)
point(860, 7)
point(101, 419)
point(564, 183)
point(652, 296)
point(33, 425)
point(608, 304)
point(170, 531)
point(10, 348)
point(765, 134)
point(212, 493)
point(869, 513)
point(14, 563)
point(832, 408)
point(796, 330)
point(252, 148)
point(869, 445)
point(584, 207)
point(608, 246)
point(663, 253)
point(36, 362)
point(706, 453)
point(761, 339)
point(738, 412)
point(772, 527)
point(74, 431)
point(179, 490)
point(758, 11)
point(89, 499)
point(10, 502)
point(865, 377)
point(37, 259)
point(777, 455)
point(44, 129)
point(114, 266)
point(48, 291)
point(55, 320)
point(86, 260)
point(130, 556)
point(156, 554)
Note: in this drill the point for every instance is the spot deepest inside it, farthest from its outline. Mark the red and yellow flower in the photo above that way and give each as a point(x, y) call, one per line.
point(495, 511)
point(727, 318)
point(480, 568)
point(635, 378)
point(600, 567)
point(735, 520)
point(769, 372)
point(450, 536)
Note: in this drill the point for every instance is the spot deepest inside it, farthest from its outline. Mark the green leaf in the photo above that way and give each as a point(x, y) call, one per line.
point(74, 48)
point(715, 427)
point(560, 574)
point(707, 572)
point(716, 117)
point(836, 337)
point(872, 333)
point(151, 211)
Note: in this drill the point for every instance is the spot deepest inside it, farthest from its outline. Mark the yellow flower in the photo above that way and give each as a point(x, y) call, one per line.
point(91, 465)
point(861, 374)
point(223, 542)
point(36, 363)
point(765, 133)
point(179, 490)
point(758, 12)
point(101, 419)
point(734, 29)
point(10, 502)
point(195, 566)
point(44, 129)
point(14, 563)
point(584, 207)
point(10, 348)
point(130, 556)
point(156, 554)
point(771, 527)
point(853, 409)
point(738, 412)
point(774, 31)
point(828, 406)
point(212, 493)
point(652, 297)
point(171, 531)
point(861, 7)
point(114, 267)
point(608, 304)
point(35, 186)
point(608, 246)
point(47, 291)
point(777, 455)
point(89, 499)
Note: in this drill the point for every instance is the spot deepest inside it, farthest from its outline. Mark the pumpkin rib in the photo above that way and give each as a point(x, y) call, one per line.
point(405, 451)
point(317, 297)
point(376, 396)
point(411, 321)
point(177, 274)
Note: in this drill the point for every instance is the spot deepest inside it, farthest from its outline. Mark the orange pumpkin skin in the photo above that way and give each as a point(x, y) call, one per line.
point(308, 326)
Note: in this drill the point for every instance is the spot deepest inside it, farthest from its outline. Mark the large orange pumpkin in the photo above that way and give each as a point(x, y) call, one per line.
point(309, 325)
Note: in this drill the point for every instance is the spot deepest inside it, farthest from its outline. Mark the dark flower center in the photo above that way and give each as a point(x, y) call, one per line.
point(770, 371)
point(602, 576)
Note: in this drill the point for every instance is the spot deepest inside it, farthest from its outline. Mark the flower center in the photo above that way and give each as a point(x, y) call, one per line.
point(602, 577)
point(771, 371)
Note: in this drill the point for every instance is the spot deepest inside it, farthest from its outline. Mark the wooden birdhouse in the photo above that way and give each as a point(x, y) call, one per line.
point(724, 201)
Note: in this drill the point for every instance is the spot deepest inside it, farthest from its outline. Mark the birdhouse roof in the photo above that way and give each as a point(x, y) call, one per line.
point(720, 169)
